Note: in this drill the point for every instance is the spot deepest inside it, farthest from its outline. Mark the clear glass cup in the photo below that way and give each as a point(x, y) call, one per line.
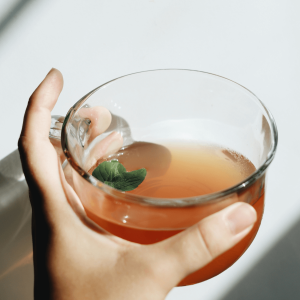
point(162, 105)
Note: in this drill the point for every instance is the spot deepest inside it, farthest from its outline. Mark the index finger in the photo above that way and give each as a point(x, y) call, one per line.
point(39, 158)
point(37, 118)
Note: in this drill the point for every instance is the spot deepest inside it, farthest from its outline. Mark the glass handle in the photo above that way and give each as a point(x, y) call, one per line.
point(55, 135)
point(55, 128)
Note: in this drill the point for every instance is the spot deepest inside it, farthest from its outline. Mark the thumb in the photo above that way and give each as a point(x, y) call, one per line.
point(195, 247)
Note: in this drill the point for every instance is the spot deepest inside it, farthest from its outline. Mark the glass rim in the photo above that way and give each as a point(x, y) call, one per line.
point(169, 202)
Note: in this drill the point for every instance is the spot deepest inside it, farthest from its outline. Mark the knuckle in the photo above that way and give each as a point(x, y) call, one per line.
point(22, 144)
point(209, 247)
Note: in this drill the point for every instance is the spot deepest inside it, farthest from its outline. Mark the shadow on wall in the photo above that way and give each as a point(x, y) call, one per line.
point(12, 14)
point(276, 276)
point(16, 268)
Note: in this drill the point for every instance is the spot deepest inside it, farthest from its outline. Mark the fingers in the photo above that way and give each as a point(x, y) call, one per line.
point(111, 144)
point(197, 246)
point(100, 118)
point(39, 158)
point(38, 113)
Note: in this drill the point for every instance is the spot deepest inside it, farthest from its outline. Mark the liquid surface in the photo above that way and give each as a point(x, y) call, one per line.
point(176, 171)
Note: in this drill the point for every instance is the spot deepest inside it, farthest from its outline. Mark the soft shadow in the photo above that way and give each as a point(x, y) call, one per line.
point(12, 13)
point(16, 268)
point(276, 276)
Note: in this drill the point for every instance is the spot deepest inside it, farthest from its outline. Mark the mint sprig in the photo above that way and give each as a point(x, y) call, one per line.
point(115, 175)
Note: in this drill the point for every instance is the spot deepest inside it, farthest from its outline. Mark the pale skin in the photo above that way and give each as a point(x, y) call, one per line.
point(74, 259)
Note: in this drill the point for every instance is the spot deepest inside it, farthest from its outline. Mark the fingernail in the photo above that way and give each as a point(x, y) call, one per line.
point(240, 217)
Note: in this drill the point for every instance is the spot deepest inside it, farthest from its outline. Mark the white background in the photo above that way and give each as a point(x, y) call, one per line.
point(255, 43)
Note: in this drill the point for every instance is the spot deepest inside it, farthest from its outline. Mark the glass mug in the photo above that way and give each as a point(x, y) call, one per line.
point(160, 105)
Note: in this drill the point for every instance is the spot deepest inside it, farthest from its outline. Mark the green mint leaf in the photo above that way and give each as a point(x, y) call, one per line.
point(108, 170)
point(114, 174)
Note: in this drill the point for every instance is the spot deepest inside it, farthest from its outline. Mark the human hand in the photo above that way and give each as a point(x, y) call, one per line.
point(74, 258)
